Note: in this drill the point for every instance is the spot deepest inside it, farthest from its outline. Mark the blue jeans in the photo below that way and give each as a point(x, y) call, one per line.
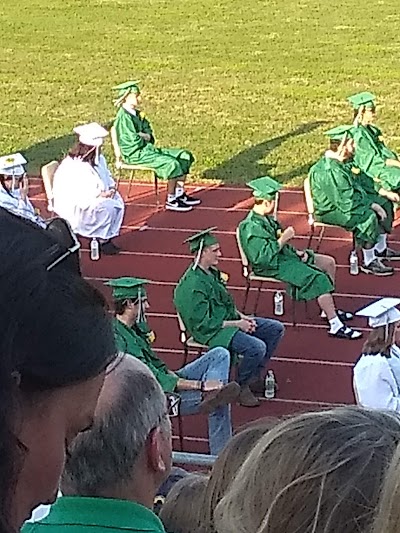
point(256, 348)
point(215, 364)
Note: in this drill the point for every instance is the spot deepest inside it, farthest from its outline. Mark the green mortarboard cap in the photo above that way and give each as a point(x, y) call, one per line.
point(337, 134)
point(128, 288)
point(264, 188)
point(127, 87)
point(362, 99)
point(202, 239)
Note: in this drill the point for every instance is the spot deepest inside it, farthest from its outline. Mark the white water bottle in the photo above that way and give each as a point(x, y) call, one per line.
point(270, 385)
point(94, 250)
point(354, 270)
point(278, 303)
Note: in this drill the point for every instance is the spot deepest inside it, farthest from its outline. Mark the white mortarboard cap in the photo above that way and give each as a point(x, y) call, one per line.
point(91, 134)
point(12, 165)
point(381, 313)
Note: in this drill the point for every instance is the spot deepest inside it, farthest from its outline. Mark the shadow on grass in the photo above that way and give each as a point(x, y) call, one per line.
point(45, 151)
point(248, 164)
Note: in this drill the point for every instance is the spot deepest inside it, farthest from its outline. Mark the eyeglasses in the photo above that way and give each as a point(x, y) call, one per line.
point(71, 250)
point(173, 404)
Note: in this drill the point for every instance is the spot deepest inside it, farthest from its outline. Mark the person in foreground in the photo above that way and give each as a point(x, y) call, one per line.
point(136, 142)
point(387, 519)
point(349, 200)
point(84, 190)
point(14, 188)
point(202, 385)
point(114, 469)
point(308, 275)
point(371, 155)
point(324, 474)
point(210, 314)
point(56, 341)
point(375, 373)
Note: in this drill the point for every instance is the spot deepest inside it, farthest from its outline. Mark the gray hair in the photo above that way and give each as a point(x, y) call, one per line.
point(104, 457)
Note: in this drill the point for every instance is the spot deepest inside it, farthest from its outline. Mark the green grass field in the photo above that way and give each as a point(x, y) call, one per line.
point(248, 85)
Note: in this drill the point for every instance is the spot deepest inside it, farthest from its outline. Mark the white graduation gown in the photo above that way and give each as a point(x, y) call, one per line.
point(15, 204)
point(374, 383)
point(76, 189)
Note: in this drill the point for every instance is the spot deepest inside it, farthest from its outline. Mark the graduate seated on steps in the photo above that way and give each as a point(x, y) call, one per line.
point(349, 200)
point(202, 385)
point(308, 275)
point(376, 374)
point(210, 314)
point(14, 188)
point(372, 156)
point(137, 145)
point(84, 190)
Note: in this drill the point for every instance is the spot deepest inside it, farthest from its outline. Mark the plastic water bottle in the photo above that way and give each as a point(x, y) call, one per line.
point(94, 250)
point(270, 385)
point(354, 270)
point(278, 303)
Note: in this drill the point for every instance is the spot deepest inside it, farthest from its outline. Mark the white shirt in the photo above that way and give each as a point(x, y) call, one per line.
point(374, 383)
point(15, 204)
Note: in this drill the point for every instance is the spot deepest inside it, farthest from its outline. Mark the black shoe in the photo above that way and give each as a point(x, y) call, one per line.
point(389, 255)
point(189, 200)
point(344, 316)
point(346, 333)
point(178, 205)
point(109, 248)
point(377, 268)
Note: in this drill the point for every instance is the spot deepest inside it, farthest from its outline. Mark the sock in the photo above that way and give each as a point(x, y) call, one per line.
point(368, 255)
point(381, 245)
point(323, 314)
point(171, 197)
point(179, 190)
point(335, 324)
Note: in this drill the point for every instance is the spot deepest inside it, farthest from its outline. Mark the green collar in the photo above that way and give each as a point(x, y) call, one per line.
point(103, 512)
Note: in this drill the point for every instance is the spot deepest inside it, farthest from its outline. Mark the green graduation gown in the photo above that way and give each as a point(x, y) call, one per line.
point(370, 156)
point(340, 199)
point(133, 340)
point(167, 163)
point(259, 238)
point(204, 303)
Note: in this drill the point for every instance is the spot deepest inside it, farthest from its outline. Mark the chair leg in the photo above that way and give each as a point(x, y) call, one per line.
point(246, 295)
point(180, 431)
point(130, 183)
point(311, 236)
point(293, 312)
point(117, 180)
point(257, 298)
point(185, 354)
point(321, 235)
point(156, 189)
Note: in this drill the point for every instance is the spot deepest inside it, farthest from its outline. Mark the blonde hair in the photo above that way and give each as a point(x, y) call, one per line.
point(388, 515)
point(380, 340)
point(315, 472)
point(182, 509)
point(227, 466)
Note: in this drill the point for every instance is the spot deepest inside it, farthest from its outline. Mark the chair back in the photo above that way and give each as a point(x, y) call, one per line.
point(115, 145)
point(47, 172)
point(309, 200)
point(182, 329)
point(243, 257)
point(357, 398)
point(276, 206)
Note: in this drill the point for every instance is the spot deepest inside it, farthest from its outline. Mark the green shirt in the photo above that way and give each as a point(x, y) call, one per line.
point(75, 514)
point(133, 341)
point(204, 303)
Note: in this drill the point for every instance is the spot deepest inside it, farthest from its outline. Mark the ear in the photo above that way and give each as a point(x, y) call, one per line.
point(156, 451)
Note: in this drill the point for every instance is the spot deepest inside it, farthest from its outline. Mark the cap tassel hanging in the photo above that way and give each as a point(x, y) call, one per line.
point(141, 316)
point(198, 255)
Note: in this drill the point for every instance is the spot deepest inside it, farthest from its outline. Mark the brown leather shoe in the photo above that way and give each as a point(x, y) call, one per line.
point(212, 400)
point(247, 398)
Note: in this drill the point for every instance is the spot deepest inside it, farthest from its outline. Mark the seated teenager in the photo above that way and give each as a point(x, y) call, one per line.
point(137, 145)
point(202, 385)
point(14, 188)
point(84, 190)
point(344, 199)
point(372, 155)
point(267, 248)
point(375, 384)
point(210, 314)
